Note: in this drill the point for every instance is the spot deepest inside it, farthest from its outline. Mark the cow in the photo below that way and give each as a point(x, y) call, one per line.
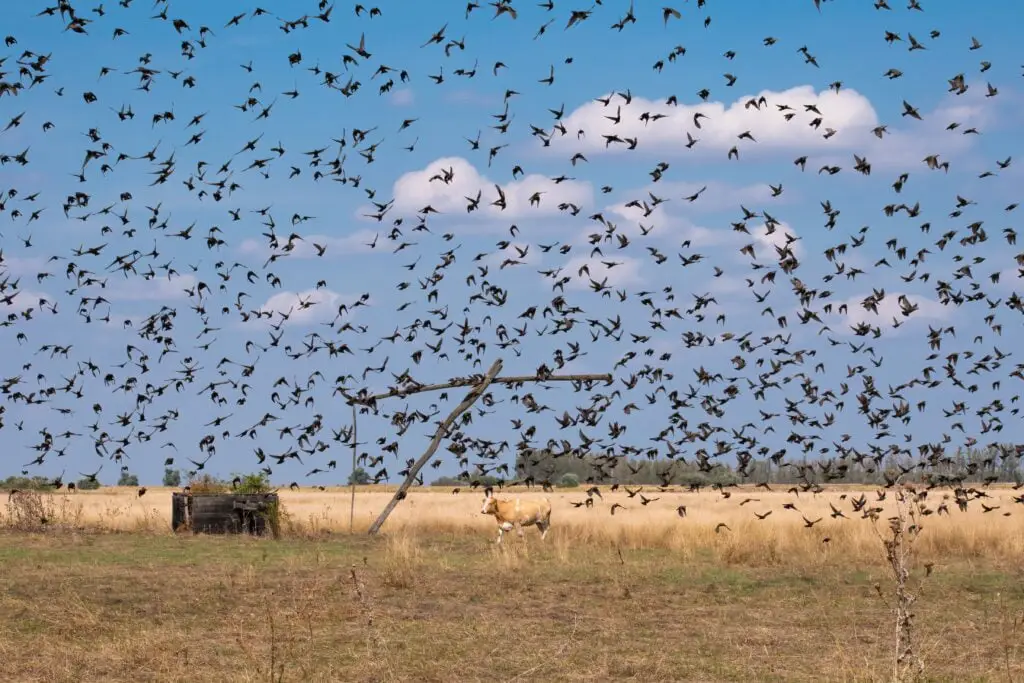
point(515, 514)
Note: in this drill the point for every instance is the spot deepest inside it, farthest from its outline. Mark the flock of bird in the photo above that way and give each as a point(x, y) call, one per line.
point(134, 334)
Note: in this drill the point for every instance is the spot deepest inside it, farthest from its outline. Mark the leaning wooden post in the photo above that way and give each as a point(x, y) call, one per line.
point(442, 431)
point(355, 457)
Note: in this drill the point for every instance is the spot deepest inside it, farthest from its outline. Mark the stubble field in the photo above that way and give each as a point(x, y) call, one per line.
point(105, 591)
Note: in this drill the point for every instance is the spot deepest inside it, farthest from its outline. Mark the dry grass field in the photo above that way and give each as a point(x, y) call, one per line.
point(642, 595)
point(781, 538)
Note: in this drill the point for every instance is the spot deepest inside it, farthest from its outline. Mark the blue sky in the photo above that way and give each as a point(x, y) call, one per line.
point(847, 41)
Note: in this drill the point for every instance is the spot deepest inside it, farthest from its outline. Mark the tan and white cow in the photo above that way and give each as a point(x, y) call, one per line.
point(515, 514)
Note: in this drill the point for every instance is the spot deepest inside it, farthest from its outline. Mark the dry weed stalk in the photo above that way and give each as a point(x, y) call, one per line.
point(623, 578)
point(30, 510)
point(274, 665)
point(376, 646)
point(904, 530)
point(1010, 636)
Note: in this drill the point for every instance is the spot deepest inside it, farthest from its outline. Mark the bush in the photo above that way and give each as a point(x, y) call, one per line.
point(172, 478)
point(208, 484)
point(127, 479)
point(27, 484)
point(87, 484)
point(568, 481)
point(35, 510)
point(359, 477)
point(251, 483)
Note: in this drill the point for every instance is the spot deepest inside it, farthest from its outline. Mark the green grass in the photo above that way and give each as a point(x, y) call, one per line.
point(159, 607)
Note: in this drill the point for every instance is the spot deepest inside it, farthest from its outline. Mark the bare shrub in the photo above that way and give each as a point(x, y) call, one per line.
point(30, 510)
point(898, 541)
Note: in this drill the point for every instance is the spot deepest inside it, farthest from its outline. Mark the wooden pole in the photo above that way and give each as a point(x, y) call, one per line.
point(470, 381)
point(442, 431)
point(355, 449)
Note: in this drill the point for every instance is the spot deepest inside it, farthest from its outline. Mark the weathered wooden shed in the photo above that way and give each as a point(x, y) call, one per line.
point(223, 513)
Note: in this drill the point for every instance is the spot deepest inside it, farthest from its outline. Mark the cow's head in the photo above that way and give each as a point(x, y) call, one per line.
point(490, 505)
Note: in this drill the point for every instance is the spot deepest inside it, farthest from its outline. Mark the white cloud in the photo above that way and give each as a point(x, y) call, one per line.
point(766, 243)
point(628, 221)
point(626, 272)
point(23, 266)
point(907, 141)
point(160, 288)
point(848, 112)
point(24, 299)
point(305, 307)
point(889, 308)
point(415, 190)
point(670, 218)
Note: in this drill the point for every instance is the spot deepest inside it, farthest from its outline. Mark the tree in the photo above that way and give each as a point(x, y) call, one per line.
point(172, 478)
point(127, 479)
point(569, 480)
point(359, 477)
point(86, 484)
point(482, 481)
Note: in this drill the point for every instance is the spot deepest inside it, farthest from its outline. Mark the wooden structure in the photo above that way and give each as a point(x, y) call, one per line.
point(223, 513)
point(479, 386)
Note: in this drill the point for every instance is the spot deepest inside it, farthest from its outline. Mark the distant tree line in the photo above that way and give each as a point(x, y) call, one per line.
point(975, 465)
point(37, 483)
point(172, 478)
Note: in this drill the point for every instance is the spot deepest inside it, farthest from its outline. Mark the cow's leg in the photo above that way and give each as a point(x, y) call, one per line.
point(501, 531)
point(519, 529)
point(543, 526)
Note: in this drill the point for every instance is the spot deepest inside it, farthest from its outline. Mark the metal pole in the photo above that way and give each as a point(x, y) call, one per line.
point(355, 448)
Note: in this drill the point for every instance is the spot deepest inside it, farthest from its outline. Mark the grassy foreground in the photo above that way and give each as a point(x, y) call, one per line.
point(453, 607)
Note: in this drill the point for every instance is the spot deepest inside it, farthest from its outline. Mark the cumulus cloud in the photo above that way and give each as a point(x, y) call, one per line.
point(22, 300)
point(308, 306)
point(23, 265)
point(620, 271)
point(906, 142)
point(764, 242)
point(781, 235)
point(415, 190)
point(847, 112)
point(888, 309)
point(631, 220)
